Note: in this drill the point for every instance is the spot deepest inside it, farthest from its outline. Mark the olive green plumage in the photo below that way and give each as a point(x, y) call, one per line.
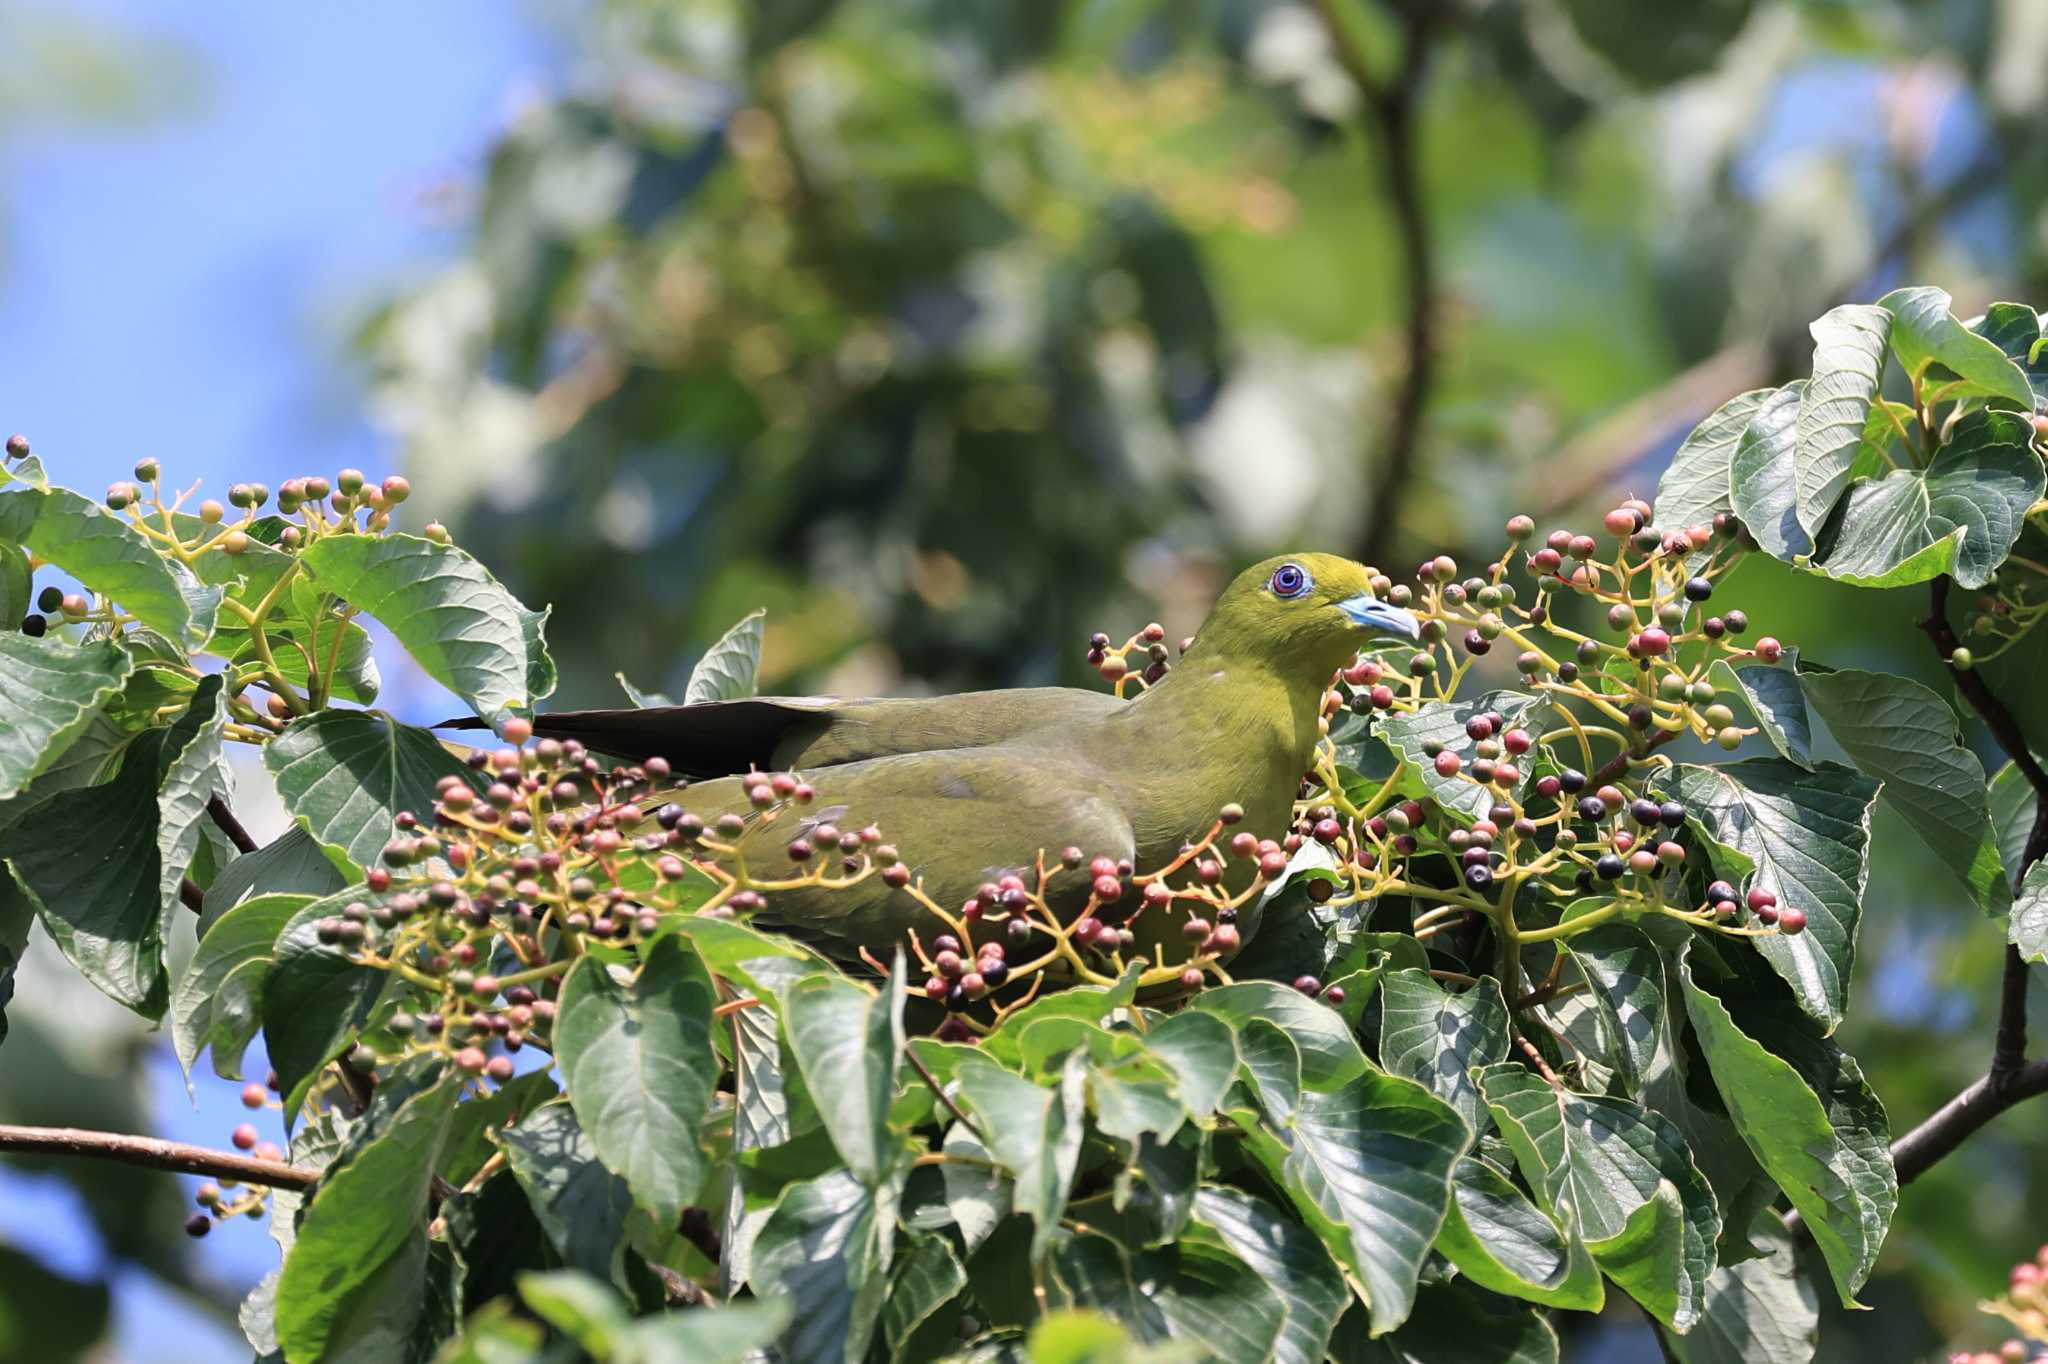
point(971, 786)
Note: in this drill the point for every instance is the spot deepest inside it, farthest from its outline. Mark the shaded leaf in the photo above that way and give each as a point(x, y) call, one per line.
point(52, 688)
point(848, 1042)
point(925, 1278)
point(1904, 735)
point(293, 863)
point(1776, 702)
point(1192, 1292)
point(2028, 928)
point(1288, 1258)
point(1453, 1321)
point(218, 1000)
point(1696, 486)
point(582, 1205)
point(827, 1246)
point(1960, 515)
point(314, 998)
point(1760, 1309)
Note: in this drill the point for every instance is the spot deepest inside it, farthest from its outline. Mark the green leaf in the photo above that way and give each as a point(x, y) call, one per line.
point(354, 673)
point(1763, 475)
point(1960, 515)
point(17, 583)
point(1429, 1034)
point(52, 687)
point(923, 1281)
point(2012, 805)
point(359, 1225)
point(1192, 1292)
point(641, 699)
point(473, 1135)
point(760, 1115)
point(1924, 333)
point(1454, 1322)
point(640, 1069)
point(293, 863)
point(1199, 1049)
point(1828, 1150)
point(314, 998)
point(346, 774)
point(1288, 1258)
point(582, 1205)
point(1904, 735)
point(1760, 1309)
point(729, 667)
point(1777, 704)
point(112, 558)
point(599, 1321)
point(1808, 835)
point(848, 1042)
point(1410, 734)
point(1330, 1057)
point(1501, 1241)
point(1696, 486)
point(2016, 330)
point(1623, 1173)
point(1848, 365)
point(1368, 1166)
point(452, 616)
point(89, 861)
point(194, 770)
point(2028, 928)
point(218, 1000)
point(1034, 1133)
point(827, 1246)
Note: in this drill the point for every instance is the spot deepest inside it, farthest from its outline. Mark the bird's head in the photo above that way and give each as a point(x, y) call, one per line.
point(1314, 610)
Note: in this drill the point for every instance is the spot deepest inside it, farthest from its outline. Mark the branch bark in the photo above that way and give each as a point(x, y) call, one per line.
point(1391, 109)
point(224, 817)
point(156, 1154)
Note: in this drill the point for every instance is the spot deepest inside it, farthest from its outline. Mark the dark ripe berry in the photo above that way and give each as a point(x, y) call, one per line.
point(1643, 810)
point(1548, 786)
point(1479, 877)
point(1477, 643)
point(1572, 781)
point(1714, 627)
point(1018, 931)
point(245, 1136)
point(1482, 769)
point(1479, 727)
point(1447, 764)
point(1108, 889)
point(896, 876)
point(1769, 650)
point(1475, 857)
point(800, 850)
point(1736, 621)
point(1759, 898)
point(731, 826)
point(1224, 940)
point(1791, 920)
point(1640, 716)
point(1328, 831)
point(1652, 642)
point(1320, 890)
point(1719, 891)
point(1698, 589)
point(1273, 865)
point(1671, 815)
point(198, 1224)
point(994, 972)
point(1308, 985)
point(1592, 808)
point(1609, 867)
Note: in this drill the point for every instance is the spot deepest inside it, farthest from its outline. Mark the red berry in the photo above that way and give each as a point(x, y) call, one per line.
point(1759, 898)
point(1273, 865)
point(1448, 763)
point(1308, 985)
point(1334, 995)
point(1652, 642)
point(471, 1060)
point(1101, 867)
point(1108, 889)
point(244, 1136)
point(1224, 940)
point(1517, 741)
point(1791, 920)
point(1191, 979)
point(1769, 650)
point(254, 1095)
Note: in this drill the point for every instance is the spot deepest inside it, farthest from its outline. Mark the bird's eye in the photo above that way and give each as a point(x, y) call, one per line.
point(1289, 580)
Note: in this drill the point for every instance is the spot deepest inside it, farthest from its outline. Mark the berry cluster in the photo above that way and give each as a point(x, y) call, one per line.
point(1117, 666)
point(226, 1198)
point(2025, 1306)
point(2014, 602)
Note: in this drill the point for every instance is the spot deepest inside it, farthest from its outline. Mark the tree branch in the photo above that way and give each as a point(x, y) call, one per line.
point(1391, 107)
point(190, 895)
point(156, 1154)
point(229, 825)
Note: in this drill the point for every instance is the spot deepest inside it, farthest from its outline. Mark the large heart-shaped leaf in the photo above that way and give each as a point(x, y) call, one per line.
point(1429, 1034)
point(52, 688)
point(1033, 1132)
point(1775, 702)
point(1848, 363)
point(1623, 1173)
point(582, 1205)
point(1288, 1258)
point(112, 558)
point(1194, 1292)
point(452, 616)
point(346, 775)
point(1696, 486)
point(1500, 1240)
point(1808, 836)
point(1763, 475)
point(1904, 735)
point(639, 1066)
point(1368, 1166)
point(1925, 333)
point(293, 863)
point(314, 997)
point(848, 1042)
point(1762, 1308)
point(1812, 1122)
point(2016, 330)
point(1960, 515)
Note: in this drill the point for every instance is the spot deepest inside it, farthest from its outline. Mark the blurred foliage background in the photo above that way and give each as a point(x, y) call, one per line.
point(952, 330)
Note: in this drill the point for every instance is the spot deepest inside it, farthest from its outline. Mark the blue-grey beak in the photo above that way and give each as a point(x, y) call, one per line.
point(1374, 614)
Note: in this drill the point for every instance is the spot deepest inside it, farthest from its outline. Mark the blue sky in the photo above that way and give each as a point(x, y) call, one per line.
point(185, 288)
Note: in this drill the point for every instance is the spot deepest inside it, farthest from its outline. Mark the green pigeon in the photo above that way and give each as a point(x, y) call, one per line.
point(973, 786)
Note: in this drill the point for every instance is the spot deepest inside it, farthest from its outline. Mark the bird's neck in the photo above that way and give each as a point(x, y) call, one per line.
point(1243, 703)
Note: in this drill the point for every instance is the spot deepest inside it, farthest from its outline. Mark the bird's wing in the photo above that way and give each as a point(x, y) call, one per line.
point(719, 738)
point(959, 818)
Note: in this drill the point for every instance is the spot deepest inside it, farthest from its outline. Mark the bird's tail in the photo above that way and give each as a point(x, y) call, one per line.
point(711, 739)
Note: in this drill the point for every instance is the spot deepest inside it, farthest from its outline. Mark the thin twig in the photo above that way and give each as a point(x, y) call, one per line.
point(156, 1154)
point(924, 1072)
point(1616, 767)
point(229, 825)
point(190, 895)
point(1391, 108)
